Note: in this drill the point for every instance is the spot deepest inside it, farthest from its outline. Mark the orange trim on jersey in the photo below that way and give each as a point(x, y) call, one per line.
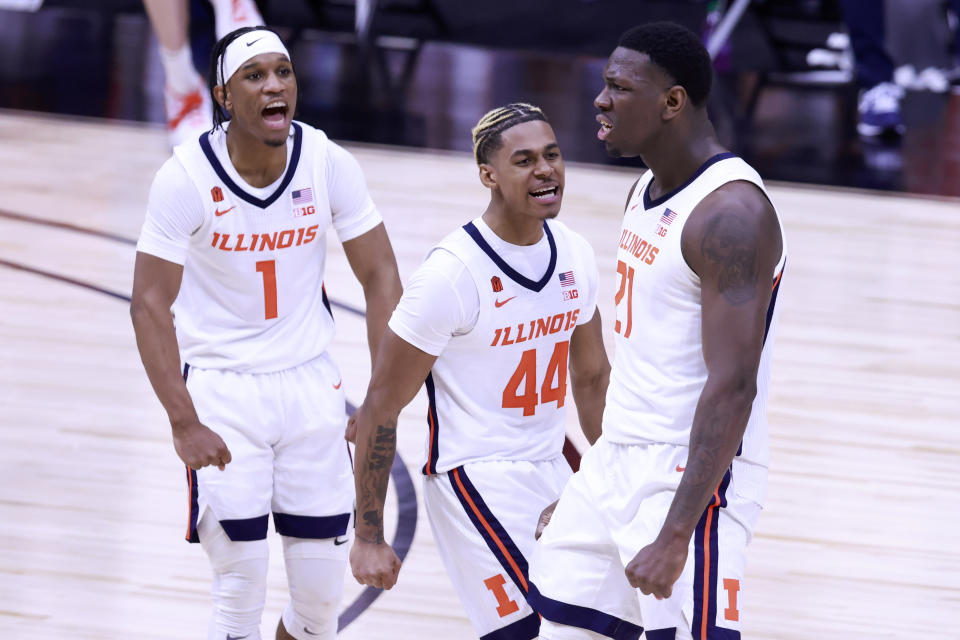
point(189, 502)
point(776, 280)
point(706, 562)
point(433, 428)
point(486, 525)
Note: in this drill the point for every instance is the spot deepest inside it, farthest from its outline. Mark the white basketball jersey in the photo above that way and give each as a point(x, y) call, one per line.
point(499, 391)
point(252, 296)
point(658, 370)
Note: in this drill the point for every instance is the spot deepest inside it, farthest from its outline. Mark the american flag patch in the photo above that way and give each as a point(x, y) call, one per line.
point(302, 196)
point(668, 217)
point(567, 279)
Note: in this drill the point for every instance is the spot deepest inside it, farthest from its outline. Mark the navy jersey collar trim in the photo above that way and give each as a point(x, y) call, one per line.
point(649, 204)
point(510, 272)
point(236, 189)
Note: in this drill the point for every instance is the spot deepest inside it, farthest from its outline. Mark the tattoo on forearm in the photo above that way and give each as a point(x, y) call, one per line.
point(730, 243)
point(372, 481)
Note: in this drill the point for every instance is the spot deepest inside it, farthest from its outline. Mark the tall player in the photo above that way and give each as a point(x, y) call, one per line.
point(666, 500)
point(491, 320)
point(235, 242)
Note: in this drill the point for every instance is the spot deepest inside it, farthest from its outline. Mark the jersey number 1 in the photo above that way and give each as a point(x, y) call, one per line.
point(526, 374)
point(268, 269)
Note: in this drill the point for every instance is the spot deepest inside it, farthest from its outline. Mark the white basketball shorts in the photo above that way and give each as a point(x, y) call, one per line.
point(614, 506)
point(285, 432)
point(484, 516)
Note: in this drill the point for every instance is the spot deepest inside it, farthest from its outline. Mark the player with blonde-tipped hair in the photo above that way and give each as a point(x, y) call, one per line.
point(490, 320)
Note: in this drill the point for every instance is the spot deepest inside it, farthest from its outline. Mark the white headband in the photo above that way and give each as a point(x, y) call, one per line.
point(250, 44)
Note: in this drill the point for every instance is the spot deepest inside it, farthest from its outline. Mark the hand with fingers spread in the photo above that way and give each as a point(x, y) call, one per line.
point(374, 563)
point(199, 446)
point(545, 516)
point(657, 567)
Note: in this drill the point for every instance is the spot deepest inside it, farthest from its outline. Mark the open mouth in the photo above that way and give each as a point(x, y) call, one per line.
point(546, 194)
point(275, 113)
point(605, 127)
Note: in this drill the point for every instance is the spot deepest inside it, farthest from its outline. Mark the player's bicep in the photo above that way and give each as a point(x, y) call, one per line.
point(732, 250)
point(370, 255)
point(398, 373)
point(588, 357)
point(156, 282)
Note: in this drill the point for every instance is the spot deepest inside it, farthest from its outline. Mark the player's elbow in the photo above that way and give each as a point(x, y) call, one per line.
point(592, 380)
point(741, 388)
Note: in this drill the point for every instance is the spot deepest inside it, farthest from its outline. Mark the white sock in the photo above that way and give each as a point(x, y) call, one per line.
point(182, 76)
point(233, 14)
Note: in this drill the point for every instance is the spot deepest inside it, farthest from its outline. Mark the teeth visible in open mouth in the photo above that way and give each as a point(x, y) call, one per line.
point(545, 193)
point(606, 126)
point(275, 107)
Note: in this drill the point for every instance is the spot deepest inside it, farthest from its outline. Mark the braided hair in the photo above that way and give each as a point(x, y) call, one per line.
point(487, 135)
point(216, 69)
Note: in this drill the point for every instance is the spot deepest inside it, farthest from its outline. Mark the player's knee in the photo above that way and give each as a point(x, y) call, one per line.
point(315, 573)
point(240, 580)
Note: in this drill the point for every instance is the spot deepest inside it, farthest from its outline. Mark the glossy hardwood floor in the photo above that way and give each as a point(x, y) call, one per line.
point(859, 538)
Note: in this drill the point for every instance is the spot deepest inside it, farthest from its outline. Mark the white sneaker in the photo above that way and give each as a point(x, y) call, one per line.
point(879, 110)
point(188, 115)
point(241, 13)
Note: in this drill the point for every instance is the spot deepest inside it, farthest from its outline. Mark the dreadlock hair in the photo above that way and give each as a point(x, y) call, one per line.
point(216, 68)
point(677, 51)
point(487, 134)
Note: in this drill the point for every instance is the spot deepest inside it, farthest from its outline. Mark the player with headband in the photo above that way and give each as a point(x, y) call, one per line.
point(235, 242)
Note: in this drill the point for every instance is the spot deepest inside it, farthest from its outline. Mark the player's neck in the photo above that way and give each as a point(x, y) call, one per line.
point(258, 163)
point(676, 160)
point(519, 230)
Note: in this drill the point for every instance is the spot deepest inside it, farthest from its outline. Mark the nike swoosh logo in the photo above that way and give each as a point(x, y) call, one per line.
point(337, 386)
point(337, 542)
point(230, 637)
point(680, 469)
point(500, 303)
point(307, 631)
point(220, 213)
point(250, 44)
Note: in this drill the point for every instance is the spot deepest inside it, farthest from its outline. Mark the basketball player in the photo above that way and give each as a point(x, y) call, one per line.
point(235, 242)
point(490, 320)
point(651, 532)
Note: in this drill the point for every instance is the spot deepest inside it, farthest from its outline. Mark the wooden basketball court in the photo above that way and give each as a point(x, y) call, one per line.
point(859, 537)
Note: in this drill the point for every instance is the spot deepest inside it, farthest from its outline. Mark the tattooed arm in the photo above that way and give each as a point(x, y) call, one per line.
point(732, 241)
point(398, 372)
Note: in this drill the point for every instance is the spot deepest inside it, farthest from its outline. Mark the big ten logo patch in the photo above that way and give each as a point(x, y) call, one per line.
point(304, 211)
point(505, 606)
point(662, 231)
point(570, 294)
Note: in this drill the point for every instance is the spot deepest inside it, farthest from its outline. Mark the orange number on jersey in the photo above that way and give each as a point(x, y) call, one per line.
point(526, 373)
point(557, 368)
point(626, 273)
point(268, 268)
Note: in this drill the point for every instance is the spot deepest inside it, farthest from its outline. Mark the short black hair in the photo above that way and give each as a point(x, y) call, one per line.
point(488, 134)
point(676, 50)
point(216, 68)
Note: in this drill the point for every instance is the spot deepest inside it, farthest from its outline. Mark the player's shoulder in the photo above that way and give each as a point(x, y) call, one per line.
point(172, 175)
point(743, 200)
point(578, 243)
